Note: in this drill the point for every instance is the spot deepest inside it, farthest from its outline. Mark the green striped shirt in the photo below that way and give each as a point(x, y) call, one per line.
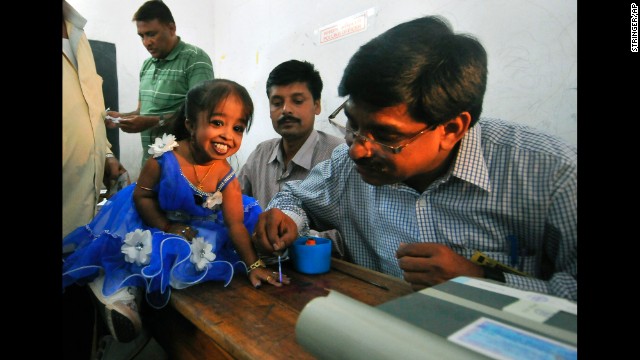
point(164, 84)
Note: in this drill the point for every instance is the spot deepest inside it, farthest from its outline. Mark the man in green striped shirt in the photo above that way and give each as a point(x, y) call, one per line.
point(173, 68)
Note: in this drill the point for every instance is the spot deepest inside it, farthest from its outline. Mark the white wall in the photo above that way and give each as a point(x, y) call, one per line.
point(531, 47)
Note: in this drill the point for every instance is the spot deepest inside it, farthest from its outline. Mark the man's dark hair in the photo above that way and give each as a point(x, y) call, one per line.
point(154, 9)
point(296, 71)
point(421, 63)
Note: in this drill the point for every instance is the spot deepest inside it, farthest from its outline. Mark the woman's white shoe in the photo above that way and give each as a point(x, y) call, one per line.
point(119, 311)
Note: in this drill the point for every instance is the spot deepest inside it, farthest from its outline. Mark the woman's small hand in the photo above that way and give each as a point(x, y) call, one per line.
point(259, 275)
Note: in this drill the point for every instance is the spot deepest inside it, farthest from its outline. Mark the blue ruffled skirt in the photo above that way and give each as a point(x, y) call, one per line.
point(99, 248)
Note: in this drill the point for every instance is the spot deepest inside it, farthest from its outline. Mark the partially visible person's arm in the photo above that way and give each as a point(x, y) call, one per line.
point(112, 169)
point(115, 114)
point(561, 241)
point(233, 214)
point(315, 199)
point(132, 122)
point(428, 264)
point(558, 254)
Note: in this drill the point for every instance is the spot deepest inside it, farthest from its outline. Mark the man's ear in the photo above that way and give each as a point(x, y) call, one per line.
point(317, 106)
point(454, 130)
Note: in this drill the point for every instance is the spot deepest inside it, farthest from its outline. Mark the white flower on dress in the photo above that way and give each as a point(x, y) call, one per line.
point(213, 200)
point(161, 146)
point(137, 247)
point(201, 254)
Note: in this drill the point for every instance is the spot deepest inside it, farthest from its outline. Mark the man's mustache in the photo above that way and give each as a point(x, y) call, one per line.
point(365, 162)
point(284, 118)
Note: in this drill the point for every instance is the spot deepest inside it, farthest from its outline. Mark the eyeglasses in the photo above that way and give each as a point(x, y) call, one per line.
point(394, 149)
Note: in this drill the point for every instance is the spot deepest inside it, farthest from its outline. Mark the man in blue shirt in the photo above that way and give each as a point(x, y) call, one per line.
point(423, 182)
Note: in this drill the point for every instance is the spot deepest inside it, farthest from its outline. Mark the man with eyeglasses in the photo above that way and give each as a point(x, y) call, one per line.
point(423, 183)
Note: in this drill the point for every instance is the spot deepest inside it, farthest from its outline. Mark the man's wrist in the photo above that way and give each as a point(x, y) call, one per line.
point(161, 120)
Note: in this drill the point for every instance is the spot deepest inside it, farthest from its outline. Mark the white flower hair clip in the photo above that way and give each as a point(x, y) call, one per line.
point(161, 146)
point(201, 254)
point(213, 200)
point(137, 247)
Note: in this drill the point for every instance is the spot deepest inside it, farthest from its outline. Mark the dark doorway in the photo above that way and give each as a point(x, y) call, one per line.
point(104, 54)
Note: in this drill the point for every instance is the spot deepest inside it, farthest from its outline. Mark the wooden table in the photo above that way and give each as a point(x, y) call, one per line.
point(210, 321)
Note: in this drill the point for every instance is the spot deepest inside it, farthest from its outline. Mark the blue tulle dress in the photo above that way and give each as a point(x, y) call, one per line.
point(130, 253)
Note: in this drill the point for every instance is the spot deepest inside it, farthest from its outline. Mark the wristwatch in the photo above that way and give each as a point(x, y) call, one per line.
point(161, 122)
point(494, 274)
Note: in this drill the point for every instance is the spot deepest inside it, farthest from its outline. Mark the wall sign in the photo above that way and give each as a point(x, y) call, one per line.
point(345, 27)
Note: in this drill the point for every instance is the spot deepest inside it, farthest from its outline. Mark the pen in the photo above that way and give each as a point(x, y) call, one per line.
point(513, 249)
point(279, 269)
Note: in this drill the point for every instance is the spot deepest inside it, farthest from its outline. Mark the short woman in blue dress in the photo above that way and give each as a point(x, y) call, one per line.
point(185, 220)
